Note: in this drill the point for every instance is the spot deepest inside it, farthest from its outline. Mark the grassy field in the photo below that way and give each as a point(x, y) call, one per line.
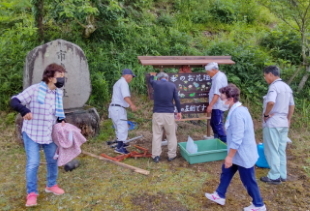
point(170, 186)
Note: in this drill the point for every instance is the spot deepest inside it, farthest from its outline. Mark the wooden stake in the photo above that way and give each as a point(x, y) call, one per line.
point(208, 125)
point(135, 169)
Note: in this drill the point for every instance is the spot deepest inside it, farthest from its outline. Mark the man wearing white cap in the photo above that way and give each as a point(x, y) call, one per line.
point(216, 106)
point(117, 109)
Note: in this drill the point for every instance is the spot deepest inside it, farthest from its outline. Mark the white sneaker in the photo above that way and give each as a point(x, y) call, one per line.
point(215, 197)
point(253, 208)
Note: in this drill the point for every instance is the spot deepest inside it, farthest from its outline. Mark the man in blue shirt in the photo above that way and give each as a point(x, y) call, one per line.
point(163, 115)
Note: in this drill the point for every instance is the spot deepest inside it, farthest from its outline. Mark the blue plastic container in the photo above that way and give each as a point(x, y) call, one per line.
point(261, 162)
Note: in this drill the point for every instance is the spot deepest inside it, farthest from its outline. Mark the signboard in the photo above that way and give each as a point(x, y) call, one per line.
point(191, 108)
point(189, 85)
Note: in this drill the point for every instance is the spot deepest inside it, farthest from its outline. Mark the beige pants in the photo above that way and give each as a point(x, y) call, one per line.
point(161, 122)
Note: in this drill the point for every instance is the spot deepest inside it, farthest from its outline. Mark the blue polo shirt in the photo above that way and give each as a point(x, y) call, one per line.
point(164, 94)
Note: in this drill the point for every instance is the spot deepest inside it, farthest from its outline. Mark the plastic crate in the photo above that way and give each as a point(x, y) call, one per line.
point(208, 150)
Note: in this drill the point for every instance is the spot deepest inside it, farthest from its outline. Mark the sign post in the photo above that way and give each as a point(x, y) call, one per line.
point(190, 85)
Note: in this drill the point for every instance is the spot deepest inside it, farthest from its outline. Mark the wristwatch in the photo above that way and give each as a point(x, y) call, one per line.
point(266, 115)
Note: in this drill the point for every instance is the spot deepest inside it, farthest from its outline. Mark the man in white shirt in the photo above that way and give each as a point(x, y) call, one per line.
point(278, 110)
point(117, 109)
point(216, 107)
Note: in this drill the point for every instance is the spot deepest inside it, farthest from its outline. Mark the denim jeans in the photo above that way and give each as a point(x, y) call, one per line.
point(33, 161)
point(247, 176)
point(216, 122)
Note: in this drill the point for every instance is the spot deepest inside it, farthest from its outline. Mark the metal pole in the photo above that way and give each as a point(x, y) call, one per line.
point(133, 139)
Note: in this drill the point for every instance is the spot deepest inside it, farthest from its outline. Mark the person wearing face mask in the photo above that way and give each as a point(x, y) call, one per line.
point(41, 107)
point(216, 106)
point(242, 151)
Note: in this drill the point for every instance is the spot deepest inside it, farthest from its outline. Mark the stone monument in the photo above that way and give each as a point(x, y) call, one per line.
point(77, 87)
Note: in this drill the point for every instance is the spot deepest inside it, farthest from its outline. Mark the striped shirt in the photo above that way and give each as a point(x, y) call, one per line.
point(39, 128)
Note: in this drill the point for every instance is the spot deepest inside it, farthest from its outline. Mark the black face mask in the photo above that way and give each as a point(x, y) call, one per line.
point(60, 82)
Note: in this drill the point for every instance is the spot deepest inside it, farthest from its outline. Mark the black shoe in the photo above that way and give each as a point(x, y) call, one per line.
point(271, 181)
point(171, 159)
point(115, 145)
point(156, 159)
point(121, 150)
point(111, 142)
point(283, 180)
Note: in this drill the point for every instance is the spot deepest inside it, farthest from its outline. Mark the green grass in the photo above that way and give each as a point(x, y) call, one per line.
point(177, 185)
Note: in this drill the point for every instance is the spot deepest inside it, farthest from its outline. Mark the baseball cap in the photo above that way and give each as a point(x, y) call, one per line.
point(128, 72)
point(211, 66)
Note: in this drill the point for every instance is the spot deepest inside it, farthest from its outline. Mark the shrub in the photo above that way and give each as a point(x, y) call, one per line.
point(283, 44)
point(246, 73)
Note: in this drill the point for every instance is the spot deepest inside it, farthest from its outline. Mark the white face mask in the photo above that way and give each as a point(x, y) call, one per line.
point(224, 105)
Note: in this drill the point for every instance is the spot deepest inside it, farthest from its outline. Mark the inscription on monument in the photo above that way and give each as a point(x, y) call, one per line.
point(77, 87)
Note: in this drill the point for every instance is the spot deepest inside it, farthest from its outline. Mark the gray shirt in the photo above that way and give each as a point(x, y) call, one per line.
point(219, 80)
point(240, 136)
point(282, 95)
point(120, 91)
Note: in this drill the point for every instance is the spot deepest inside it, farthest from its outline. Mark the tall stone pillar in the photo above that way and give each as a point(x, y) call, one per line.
point(77, 87)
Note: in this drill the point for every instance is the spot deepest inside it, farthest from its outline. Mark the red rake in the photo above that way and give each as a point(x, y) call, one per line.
point(133, 154)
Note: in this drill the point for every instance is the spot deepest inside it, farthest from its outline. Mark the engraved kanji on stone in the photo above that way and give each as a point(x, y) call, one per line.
point(61, 55)
point(65, 93)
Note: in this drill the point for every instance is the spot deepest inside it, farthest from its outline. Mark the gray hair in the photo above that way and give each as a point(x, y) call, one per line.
point(274, 70)
point(162, 75)
point(211, 66)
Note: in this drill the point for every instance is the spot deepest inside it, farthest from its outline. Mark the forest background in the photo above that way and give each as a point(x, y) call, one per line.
point(112, 33)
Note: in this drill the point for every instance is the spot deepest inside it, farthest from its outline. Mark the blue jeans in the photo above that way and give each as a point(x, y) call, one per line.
point(33, 161)
point(247, 176)
point(216, 122)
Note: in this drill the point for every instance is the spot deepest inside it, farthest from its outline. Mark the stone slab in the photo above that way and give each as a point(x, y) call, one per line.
point(77, 87)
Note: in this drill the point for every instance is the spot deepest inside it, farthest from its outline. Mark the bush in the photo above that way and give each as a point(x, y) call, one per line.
point(246, 73)
point(283, 44)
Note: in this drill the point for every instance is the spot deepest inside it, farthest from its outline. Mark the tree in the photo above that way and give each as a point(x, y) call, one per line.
point(296, 14)
point(38, 12)
point(64, 9)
